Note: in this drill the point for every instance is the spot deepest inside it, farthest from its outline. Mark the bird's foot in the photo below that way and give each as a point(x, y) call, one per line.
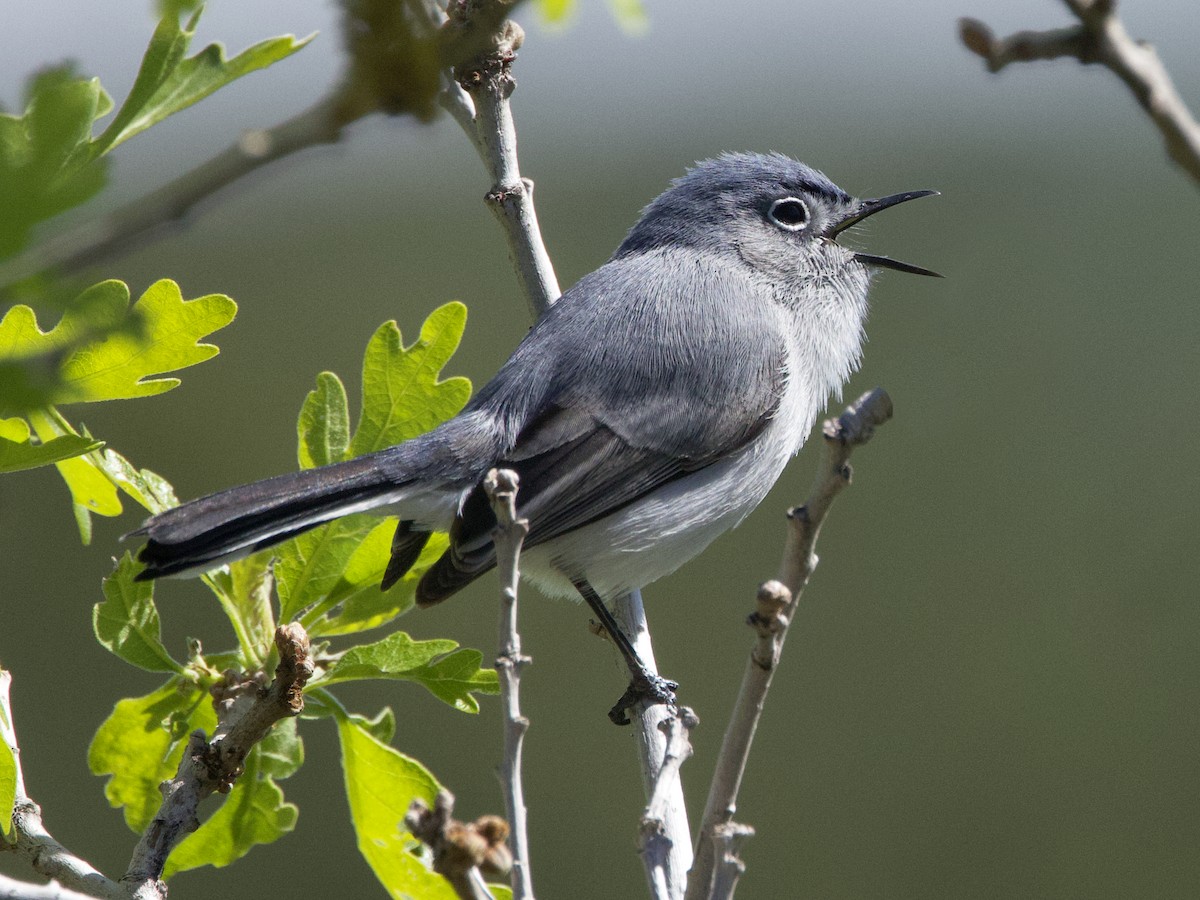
point(644, 687)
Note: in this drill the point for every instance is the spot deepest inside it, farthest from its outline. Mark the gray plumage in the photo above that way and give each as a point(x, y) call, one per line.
point(648, 411)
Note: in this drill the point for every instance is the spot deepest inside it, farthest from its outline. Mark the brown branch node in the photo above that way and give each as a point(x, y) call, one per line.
point(460, 849)
point(246, 712)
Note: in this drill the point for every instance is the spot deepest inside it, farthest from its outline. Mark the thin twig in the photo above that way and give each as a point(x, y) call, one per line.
point(246, 713)
point(1101, 38)
point(477, 97)
point(668, 856)
point(501, 487)
point(775, 610)
point(387, 71)
point(727, 843)
point(11, 889)
point(33, 842)
point(479, 102)
point(93, 241)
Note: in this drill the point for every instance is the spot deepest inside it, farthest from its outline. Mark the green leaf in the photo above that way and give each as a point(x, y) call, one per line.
point(454, 677)
point(127, 624)
point(382, 727)
point(381, 783)
point(167, 82)
point(402, 396)
point(247, 585)
point(45, 157)
point(355, 603)
point(310, 566)
point(450, 674)
point(395, 656)
point(18, 452)
point(178, 8)
point(100, 307)
point(14, 430)
point(48, 160)
point(254, 812)
point(31, 360)
point(103, 349)
point(282, 750)
point(148, 488)
point(8, 763)
point(122, 366)
point(140, 745)
point(324, 426)
point(91, 490)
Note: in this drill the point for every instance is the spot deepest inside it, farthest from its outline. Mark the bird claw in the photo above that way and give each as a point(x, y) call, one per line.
point(647, 688)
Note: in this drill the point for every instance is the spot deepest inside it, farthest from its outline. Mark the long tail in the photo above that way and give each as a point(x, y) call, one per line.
point(234, 523)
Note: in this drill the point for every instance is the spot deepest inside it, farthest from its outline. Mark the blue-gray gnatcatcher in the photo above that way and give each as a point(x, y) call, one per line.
point(648, 411)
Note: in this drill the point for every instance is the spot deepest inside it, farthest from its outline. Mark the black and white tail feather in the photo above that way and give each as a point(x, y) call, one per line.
point(411, 480)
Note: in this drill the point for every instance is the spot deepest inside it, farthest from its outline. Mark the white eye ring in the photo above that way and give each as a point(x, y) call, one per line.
point(789, 213)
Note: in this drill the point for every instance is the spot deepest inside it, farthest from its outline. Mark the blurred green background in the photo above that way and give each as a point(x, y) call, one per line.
point(992, 688)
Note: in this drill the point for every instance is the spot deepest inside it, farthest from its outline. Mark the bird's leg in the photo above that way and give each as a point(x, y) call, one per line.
point(645, 685)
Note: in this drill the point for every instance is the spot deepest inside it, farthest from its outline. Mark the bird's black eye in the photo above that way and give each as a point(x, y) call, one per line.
point(789, 213)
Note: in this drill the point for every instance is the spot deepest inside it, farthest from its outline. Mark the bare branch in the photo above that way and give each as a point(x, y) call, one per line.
point(1101, 38)
point(462, 851)
point(668, 856)
point(391, 70)
point(727, 843)
point(477, 97)
point(501, 487)
point(93, 241)
point(246, 712)
point(11, 889)
point(479, 102)
point(715, 873)
point(659, 830)
point(33, 842)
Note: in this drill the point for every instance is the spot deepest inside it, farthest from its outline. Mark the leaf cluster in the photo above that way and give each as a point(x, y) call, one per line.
point(53, 157)
point(327, 579)
point(50, 158)
point(101, 349)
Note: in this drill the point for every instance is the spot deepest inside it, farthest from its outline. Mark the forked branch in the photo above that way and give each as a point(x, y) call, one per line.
point(1100, 37)
point(717, 867)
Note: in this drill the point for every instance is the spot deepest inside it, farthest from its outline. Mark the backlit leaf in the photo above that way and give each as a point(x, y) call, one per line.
point(452, 675)
point(91, 490)
point(17, 452)
point(167, 82)
point(381, 783)
point(140, 745)
point(324, 425)
point(8, 763)
point(356, 603)
point(127, 624)
point(254, 812)
point(402, 396)
point(122, 365)
point(46, 165)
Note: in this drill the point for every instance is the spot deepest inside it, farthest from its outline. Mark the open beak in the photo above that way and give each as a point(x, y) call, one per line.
point(867, 208)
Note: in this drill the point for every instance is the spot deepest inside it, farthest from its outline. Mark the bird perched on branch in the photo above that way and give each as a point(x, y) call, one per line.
point(649, 410)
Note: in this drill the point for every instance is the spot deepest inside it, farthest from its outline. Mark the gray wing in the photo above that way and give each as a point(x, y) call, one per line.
point(636, 377)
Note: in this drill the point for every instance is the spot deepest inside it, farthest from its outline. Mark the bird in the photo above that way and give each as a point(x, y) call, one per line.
point(647, 411)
